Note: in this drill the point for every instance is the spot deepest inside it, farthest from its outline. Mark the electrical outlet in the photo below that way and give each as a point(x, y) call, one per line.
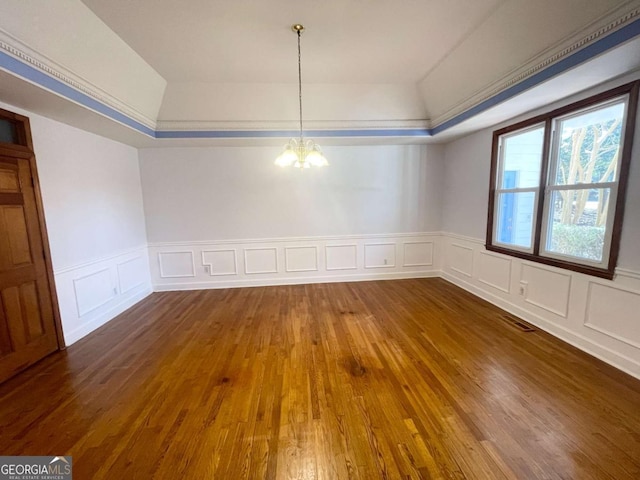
point(207, 269)
point(115, 290)
point(386, 261)
point(523, 289)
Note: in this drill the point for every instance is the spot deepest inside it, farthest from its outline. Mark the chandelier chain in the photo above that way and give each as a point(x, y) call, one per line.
point(300, 83)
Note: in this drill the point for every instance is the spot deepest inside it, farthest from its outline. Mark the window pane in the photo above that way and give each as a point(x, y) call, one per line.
point(8, 133)
point(515, 218)
point(522, 154)
point(589, 146)
point(578, 223)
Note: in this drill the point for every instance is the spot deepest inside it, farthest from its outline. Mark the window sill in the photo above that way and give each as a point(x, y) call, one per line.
point(575, 267)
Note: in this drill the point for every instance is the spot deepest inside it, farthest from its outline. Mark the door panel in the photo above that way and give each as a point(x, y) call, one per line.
point(27, 325)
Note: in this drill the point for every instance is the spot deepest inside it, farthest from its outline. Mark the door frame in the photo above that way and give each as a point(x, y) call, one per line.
point(24, 149)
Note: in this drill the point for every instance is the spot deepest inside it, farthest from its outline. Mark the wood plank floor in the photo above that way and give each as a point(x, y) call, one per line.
point(395, 379)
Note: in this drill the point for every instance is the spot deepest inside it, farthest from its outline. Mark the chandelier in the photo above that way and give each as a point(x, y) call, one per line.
point(298, 152)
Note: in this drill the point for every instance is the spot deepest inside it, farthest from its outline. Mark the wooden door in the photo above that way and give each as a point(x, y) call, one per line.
point(28, 329)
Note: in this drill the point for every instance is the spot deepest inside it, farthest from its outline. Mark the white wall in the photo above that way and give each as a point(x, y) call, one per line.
point(95, 221)
point(222, 193)
point(599, 316)
point(234, 199)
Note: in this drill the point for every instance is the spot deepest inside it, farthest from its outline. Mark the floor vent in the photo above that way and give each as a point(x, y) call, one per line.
point(517, 323)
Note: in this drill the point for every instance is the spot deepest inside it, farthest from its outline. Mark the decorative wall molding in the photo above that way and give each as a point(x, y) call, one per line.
point(379, 255)
point(308, 264)
point(213, 271)
point(414, 256)
point(283, 261)
point(459, 266)
point(182, 267)
point(93, 290)
point(288, 240)
point(492, 273)
point(609, 32)
point(92, 293)
point(265, 259)
point(547, 287)
point(537, 64)
point(219, 125)
point(106, 258)
point(569, 307)
point(626, 311)
point(19, 50)
point(623, 272)
point(351, 251)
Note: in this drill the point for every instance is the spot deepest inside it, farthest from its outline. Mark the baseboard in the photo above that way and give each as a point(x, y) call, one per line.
point(100, 320)
point(167, 287)
point(607, 355)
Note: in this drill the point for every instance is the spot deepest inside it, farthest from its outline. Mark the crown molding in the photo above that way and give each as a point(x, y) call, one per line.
point(615, 20)
point(198, 125)
point(19, 50)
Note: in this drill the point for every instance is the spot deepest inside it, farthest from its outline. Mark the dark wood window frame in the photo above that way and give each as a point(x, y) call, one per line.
point(546, 119)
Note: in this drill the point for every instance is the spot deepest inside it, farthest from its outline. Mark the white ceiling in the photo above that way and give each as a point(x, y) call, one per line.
point(345, 41)
point(220, 65)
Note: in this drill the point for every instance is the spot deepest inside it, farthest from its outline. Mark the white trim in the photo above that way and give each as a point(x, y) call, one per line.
point(623, 272)
point(330, 238)
point(193, 264)
point(404, 254)
point(286, 259)
point(210, 265)
point(607, 355)
point(165, 287)
point(501, 257)
point(476, 240)
point(464, 247)
point(259, 272)
point(120, 253)
point(215, 125)
point(14, 47)
point(86, 328)
point(118, 265)
point(82, 313)
point(608, 23)
point(354, 245)
point(386, 265)
point(544, 307)
point(599, 329)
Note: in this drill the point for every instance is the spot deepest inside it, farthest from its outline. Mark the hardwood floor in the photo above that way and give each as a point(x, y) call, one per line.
point(395, 379)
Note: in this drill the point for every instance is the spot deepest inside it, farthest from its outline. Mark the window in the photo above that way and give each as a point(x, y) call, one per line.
point(558, 183)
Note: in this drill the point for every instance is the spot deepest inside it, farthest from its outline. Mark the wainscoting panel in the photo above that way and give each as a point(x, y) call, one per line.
point(94, 290)
point(614, 312)
point(495, 271)
point(132, 273)
point(341, 257)
point(93, 293)
point(546, 288)
point(460, 259)
point(283, 261)
point(418, 254)
point(379, 255)
point(220, 262)
point(176, 264)
point(301, 259)
point(260, 260)
point(595, 315)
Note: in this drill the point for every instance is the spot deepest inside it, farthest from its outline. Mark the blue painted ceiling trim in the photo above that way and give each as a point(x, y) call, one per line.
point(587, 53)
point(32, 74)
point(391, 132)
